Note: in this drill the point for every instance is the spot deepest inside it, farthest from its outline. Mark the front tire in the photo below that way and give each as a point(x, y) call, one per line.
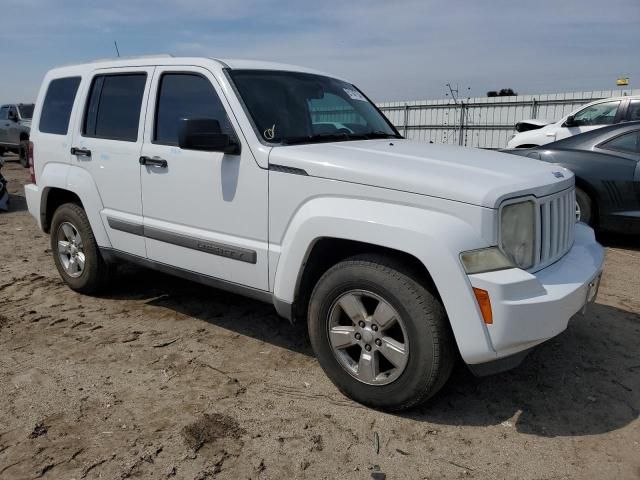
point(379, 334)
point(75, 251)
point(584, 207)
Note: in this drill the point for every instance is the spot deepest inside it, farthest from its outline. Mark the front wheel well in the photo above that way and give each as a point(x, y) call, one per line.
point(592, 194)
point(52, 198)
point(24, 136)
point(328, 251)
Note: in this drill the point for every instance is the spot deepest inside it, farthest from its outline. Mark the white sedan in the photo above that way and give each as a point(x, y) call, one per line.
point(588, 117)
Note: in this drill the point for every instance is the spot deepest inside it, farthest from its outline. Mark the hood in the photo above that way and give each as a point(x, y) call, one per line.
point(531, 124)
point(25, 122)
point(470, 175)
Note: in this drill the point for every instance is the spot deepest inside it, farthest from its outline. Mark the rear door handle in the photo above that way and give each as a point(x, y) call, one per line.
point(154, 162)
point(81, 152)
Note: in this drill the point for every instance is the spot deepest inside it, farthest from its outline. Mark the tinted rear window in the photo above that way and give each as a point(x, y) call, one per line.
point(113, 110)
point(58, 102)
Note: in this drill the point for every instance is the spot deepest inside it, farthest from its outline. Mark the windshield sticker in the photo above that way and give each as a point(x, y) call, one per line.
point(270, 133)
point(354, 94)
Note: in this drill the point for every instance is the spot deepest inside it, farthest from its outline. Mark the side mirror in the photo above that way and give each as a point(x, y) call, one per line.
point(205, 134)
point(13, 116)
point(570, 121)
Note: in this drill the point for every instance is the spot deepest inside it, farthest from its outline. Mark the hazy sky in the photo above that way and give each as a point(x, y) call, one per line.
point(393, 50)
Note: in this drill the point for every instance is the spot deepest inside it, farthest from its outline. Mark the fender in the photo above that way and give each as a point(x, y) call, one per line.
point(80, 182)
point(582, 183)
point(434, 238)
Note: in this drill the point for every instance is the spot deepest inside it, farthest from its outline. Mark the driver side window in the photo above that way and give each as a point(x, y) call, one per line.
point(186, 95)
point(599, 114)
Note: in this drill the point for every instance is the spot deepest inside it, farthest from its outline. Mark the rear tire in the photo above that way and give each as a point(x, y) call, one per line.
point(584, 207)
point(22, 152)
point(75, 251)
point(418, 325)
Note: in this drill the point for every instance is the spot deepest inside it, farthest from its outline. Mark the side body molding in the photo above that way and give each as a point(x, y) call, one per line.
point(432, 237)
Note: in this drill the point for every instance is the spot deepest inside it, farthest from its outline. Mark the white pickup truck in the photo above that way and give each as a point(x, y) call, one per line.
point(289, 186)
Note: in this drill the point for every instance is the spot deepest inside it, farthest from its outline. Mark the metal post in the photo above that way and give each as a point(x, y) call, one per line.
point(461, 134)
point(534, 108)
point(406, 119)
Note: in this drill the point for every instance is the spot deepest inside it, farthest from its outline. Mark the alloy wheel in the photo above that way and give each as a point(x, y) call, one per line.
point(368, 337)
point(70, 250)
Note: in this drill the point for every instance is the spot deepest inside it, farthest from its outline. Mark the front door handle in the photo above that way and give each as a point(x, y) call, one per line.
point(81, 152)
point(154, 162)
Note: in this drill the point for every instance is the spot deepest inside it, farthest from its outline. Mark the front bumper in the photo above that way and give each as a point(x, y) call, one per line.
point(529, 308)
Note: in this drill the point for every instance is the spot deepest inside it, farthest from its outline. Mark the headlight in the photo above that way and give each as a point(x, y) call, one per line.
point(485, 260)
point(518, 233)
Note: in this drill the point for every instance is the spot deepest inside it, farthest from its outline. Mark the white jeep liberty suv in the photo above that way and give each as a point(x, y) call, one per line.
point(289, 186)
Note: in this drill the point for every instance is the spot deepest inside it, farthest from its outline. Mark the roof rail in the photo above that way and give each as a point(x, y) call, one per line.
point(132, 57)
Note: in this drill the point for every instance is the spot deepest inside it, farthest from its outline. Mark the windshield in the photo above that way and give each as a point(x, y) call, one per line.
point(26, 111)
point(293, 107)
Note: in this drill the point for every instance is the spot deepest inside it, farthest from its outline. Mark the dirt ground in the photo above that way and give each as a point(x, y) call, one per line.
point(163, 378)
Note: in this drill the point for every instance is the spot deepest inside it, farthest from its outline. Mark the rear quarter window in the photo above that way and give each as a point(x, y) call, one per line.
point(57, 106)
point(628, 142)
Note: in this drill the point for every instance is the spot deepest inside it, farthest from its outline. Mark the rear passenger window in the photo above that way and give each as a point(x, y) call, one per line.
point(113, 109)
point(58, 102)
point(183, 95)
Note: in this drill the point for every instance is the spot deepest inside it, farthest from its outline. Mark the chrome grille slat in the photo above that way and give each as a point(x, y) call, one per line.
point(546, 232)
point(554, 228)
point(563, 222)
point(557, 220)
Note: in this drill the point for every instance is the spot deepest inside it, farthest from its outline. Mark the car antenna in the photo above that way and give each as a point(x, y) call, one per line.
point(116, 45)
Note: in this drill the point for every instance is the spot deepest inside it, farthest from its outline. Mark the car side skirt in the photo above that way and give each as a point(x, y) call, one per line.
point(113, 255)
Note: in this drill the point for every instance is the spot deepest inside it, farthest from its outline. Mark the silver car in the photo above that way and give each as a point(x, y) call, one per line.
point(15, 126)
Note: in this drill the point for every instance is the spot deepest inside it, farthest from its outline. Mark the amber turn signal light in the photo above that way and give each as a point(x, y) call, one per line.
point(482, 297)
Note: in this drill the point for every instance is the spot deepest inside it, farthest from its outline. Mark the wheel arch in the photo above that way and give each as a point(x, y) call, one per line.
point(325, 252)
point(592, 192)
point(63, 183)
point(429, 241)
point(52, 198)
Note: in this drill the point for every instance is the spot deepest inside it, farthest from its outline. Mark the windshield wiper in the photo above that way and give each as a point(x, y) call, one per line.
point(379, 134)
point(324, 137)
point(328, 137)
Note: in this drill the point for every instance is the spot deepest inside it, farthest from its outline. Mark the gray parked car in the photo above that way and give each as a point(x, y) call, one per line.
point(606, 163)
point(15, 126)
